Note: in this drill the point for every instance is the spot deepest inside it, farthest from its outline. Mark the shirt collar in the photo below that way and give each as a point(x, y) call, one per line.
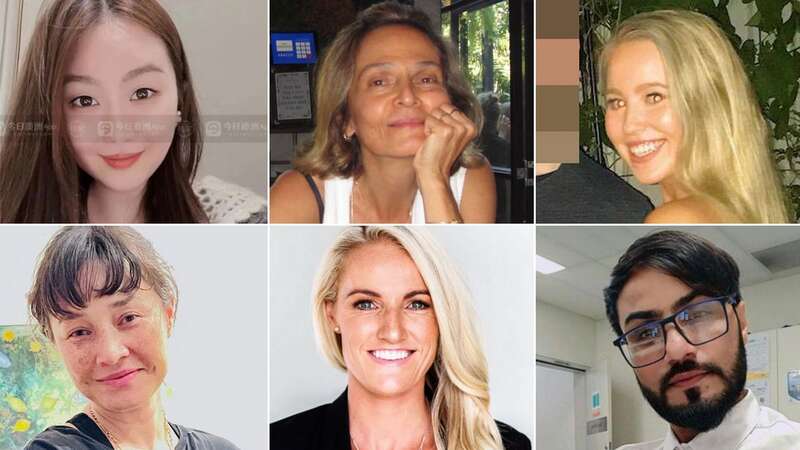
point(735, 427)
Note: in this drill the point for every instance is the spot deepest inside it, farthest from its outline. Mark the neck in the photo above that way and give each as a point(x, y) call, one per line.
point(685, 435)
point(385, 191)
point(672, 190)
point(108, 206)
point(139, 428)
point(389, 423)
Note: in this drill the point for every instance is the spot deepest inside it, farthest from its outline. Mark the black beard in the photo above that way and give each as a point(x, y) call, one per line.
point(700, 415)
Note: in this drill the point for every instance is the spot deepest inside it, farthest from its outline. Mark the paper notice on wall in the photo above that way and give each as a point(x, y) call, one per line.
point(758, 367)
point(293, 95)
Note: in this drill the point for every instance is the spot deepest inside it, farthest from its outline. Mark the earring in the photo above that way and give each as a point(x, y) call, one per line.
point(337, 330)
point(347, 138)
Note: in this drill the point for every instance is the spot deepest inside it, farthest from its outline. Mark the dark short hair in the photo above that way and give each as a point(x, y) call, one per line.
point(81, 262)
point(701, 265)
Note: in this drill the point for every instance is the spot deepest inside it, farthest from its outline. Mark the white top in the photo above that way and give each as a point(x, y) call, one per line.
point(747, 426)
point(338, 193)
point(225, 202)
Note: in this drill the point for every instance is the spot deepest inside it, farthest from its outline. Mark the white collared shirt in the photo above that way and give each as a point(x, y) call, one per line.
point(747, 426)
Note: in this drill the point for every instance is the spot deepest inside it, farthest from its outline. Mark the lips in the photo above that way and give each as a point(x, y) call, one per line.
point(120, 378)
point(686, 379)
point(121, 160)
point(407, 122)
point(640, 150)
point(391, 355)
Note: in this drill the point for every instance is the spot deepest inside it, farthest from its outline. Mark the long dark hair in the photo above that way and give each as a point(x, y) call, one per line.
point(40, 180)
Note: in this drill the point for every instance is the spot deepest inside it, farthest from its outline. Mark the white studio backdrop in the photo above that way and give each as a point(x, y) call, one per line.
point(497, 264)
point(218, 349)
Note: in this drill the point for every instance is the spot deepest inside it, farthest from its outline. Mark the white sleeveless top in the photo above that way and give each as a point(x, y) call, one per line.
point(338, 193)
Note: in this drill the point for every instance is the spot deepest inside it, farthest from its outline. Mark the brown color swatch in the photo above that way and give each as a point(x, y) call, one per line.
point(557, 19)
point(557, 147)
point(557, 62)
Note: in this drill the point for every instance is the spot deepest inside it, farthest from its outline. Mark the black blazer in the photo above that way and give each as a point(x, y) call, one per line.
point(327, 427)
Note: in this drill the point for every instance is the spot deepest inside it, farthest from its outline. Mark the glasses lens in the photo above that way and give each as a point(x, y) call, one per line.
point(644, 345)
point(703, 322)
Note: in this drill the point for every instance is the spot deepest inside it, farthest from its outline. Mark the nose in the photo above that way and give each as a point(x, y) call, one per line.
point(677, 346)
point(117, 125)
point(406, 93)
point(392, 328)
point(633, 120)
point(110, 348)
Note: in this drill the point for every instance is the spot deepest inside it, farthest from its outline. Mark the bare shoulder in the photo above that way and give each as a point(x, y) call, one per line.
point(690, 210)
point(479, 200)
point(291, 199)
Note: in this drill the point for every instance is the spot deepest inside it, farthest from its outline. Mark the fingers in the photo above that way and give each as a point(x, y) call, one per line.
point(463, 129)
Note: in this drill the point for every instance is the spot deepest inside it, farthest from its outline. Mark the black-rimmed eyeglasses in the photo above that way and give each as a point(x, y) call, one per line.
point(698, 323)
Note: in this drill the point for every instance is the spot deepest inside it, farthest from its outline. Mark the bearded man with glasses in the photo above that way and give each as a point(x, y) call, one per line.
point(675, 305)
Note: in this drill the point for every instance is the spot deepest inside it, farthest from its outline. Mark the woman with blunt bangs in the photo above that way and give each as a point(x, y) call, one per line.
point(395, 125)
point(681, 112)
point(108, 128)
point(390, 309)
point(108, 302)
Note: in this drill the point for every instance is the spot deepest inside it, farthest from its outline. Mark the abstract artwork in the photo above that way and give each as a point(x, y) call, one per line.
point(35, 389)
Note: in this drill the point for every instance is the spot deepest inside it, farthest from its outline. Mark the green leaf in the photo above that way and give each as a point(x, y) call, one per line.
point(754, 21)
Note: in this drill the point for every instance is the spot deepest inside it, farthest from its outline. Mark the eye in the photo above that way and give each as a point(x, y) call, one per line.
point(378, 83)
point(79, 333)
point(365, 305)
point(143, 94)
point(83, 101)
point(418, 305)
point(429, 79)
point(129, 319)
point(654, 98)
point(614, 103)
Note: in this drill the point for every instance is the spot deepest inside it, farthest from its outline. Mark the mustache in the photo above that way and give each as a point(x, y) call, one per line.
point(687, 366)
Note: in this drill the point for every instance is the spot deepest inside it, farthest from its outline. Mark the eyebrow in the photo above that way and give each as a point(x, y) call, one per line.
point(639, 88)
point(147, 68)
point(653, 314)
point(375, 294)
point(387, 65)
point(70, 315)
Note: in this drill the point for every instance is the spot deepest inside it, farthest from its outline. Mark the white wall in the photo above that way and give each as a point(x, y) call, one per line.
point(218, 351)
point(773, 304)
point(555, 426)
point(497, 263)
point(227, 52)
point(564, 335)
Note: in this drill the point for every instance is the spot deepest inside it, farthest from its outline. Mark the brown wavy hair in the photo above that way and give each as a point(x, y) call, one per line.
point(328, 154)
point(40, 181)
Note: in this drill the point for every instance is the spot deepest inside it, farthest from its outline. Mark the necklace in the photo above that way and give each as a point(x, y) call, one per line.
point(421, 443)
point(115, 443)
point(353, 201)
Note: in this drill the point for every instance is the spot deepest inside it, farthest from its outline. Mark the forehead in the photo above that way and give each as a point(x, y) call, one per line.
point(650, 290)
point(114, 46)
point(395, 44)
point(382, 267)
point(636, 62)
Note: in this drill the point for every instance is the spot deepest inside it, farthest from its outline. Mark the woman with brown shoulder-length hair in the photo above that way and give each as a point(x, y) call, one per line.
point(395, 122)
point(107, 127)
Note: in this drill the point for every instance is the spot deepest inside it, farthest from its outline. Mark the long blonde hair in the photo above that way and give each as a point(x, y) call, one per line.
point(459, 376)
point(726, 150)
point(328, 154)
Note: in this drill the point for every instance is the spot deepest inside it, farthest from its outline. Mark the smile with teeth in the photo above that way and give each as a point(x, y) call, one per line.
point(645, 148)
point(391, 355)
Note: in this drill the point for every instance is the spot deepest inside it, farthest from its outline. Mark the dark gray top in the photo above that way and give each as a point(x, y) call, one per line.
point(87, 436)
point(588, 193)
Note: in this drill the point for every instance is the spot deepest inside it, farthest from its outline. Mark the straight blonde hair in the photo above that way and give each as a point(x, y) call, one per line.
point(726, 150)
point(459, 376)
